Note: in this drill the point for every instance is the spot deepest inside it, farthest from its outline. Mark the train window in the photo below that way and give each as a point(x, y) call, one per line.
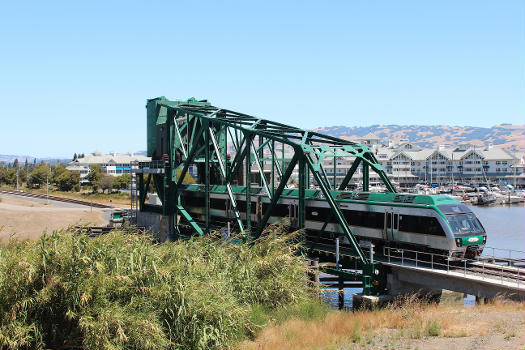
point(454, 208)
point(280, 210)
point(364, 219)
point(354, 217)
point(241, 205)
point(434, 228)
point(196, 201)
point(396, 221)
point(420, 224)
point(319, 214)
point(218, 203)
point(465, 224)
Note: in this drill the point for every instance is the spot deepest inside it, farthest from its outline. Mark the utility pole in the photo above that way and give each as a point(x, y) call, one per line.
point(452, 168)
point(17, 186)
point(431, 165)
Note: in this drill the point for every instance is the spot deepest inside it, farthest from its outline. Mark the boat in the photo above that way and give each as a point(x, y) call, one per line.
point(486, 199)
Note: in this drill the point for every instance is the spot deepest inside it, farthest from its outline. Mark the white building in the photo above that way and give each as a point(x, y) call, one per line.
point(114, 164)
point(408, 164)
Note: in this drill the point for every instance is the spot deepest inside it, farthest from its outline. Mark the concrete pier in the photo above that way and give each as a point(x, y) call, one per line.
point(160, 225)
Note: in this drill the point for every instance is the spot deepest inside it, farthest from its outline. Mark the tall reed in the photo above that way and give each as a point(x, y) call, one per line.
point(122, 291)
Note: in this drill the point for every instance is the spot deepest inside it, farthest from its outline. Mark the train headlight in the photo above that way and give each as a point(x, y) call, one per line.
point(484, 239)
point(459, 243)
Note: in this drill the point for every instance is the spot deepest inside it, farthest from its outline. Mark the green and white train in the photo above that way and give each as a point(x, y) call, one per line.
point(432, 223)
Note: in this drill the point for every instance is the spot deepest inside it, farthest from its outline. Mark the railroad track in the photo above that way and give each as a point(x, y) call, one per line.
point(95, 231)
point(495, 270)
point(54, 198)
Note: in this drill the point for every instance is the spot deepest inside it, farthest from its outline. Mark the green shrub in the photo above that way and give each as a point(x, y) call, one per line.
point(121, 291)
point(433, 328)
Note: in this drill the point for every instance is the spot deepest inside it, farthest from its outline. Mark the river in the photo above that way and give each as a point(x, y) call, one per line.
point(505, 226)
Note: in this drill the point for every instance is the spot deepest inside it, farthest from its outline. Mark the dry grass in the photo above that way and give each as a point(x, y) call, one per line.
point(399, 325)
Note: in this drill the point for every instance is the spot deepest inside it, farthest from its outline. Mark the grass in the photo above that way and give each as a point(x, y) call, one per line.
point(397, 326)
point(116, 197)
point(121, 291)
point(433, 328)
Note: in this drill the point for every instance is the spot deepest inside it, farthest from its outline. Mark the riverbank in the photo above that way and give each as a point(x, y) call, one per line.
point(499, 325)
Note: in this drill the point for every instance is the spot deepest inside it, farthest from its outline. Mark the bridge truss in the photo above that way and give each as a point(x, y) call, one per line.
point(221, 147)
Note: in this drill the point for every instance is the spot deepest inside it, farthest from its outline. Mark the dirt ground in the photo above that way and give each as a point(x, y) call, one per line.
point(473, 328)
point(27, 218)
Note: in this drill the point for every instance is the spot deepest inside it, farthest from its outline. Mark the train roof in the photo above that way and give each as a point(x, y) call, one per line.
point(394, 198)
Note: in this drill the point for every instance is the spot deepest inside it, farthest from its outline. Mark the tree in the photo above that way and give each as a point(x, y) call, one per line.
point(39, 175)
point(122, 182)
point(64, 179)
point(188, 179)
point(3, 171)
point(95, 176)
point(8, 176)
point(75, 157)
point(107, 183)
point(22, 175)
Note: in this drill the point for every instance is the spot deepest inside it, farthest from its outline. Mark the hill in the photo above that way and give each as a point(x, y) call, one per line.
point(510, 137)
point(9, 158)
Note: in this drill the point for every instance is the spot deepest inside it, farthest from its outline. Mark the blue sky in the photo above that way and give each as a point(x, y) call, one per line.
point(74, 76)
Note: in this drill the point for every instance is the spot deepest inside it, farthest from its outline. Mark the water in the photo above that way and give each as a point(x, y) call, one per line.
point(505, 228)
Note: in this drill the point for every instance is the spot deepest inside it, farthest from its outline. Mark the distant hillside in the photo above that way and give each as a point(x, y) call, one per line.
point(9, 158)
point(511, 137)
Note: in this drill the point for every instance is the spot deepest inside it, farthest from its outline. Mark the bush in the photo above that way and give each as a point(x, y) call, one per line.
point(121, 291)
point(433, 328)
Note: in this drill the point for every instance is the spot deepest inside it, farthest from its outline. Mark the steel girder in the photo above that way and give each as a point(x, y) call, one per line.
point(218, 142)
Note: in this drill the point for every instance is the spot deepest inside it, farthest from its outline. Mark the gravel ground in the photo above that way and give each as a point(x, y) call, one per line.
point(30, 217)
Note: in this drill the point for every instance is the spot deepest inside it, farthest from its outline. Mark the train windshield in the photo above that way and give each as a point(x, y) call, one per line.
point(462, 224)
point(462, 220)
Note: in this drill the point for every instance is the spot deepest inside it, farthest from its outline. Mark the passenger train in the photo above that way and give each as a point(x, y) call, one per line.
point(433, 223)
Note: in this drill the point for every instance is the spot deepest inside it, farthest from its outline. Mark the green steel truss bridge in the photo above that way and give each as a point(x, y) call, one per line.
point(254, 165)
point(223, 149)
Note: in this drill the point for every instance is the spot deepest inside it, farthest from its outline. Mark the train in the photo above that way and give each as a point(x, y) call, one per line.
point(431, 223)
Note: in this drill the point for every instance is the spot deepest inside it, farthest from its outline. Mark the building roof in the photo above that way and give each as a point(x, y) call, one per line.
point(370, 136)
point(420, 155)
point(496, 154)
point(115, 158)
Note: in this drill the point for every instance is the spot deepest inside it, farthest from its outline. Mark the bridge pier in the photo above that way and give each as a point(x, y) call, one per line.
point(161, 226)
point(480, 300)
point(397, 288)
point(341, 292)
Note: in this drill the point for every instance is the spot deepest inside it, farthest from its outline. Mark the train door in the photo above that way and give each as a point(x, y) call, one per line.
point(392, 225)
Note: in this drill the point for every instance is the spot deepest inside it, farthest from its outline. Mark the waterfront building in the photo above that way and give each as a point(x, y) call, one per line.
point(408, 164)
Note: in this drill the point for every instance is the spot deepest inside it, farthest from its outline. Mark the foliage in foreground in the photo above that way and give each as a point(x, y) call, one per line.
point(121, 291)
point(401, 325)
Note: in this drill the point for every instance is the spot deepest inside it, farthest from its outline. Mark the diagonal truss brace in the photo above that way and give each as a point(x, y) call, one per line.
point(222, 167)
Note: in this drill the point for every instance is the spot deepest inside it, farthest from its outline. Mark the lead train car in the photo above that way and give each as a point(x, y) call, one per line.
point(435, 223)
